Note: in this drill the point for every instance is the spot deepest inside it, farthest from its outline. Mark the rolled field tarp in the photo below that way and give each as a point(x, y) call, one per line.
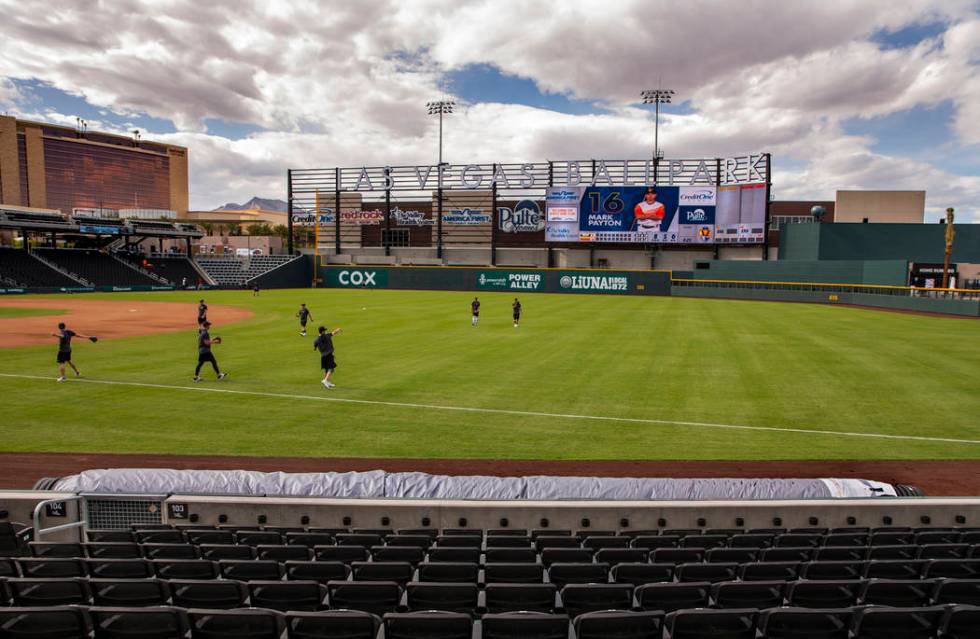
point(378, 484)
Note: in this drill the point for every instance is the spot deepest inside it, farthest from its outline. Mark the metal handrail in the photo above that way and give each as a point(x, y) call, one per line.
point(38, 531)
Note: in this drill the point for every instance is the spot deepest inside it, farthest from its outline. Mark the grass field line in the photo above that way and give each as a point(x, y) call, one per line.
point(502, 411)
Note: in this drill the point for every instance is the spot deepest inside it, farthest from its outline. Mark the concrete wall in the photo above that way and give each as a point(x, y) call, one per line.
point(911, 242)
point(890, 272)
point(880, 206)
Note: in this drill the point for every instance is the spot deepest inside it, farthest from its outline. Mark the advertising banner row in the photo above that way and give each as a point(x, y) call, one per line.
point(516, 280)
point(523, 217)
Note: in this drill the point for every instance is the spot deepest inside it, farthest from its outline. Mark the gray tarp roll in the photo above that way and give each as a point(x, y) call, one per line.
point(380, 484)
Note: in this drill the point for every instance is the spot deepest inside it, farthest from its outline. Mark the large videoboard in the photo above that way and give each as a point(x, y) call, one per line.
point(655, 214)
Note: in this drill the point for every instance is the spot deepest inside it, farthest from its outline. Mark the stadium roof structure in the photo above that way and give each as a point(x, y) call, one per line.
point(50, 221)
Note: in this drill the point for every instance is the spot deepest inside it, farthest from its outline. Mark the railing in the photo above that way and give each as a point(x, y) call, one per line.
point(830, 287)
point(38, 531)
point(57, 267)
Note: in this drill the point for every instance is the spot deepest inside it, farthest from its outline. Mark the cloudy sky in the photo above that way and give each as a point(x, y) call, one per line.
point(844, 93)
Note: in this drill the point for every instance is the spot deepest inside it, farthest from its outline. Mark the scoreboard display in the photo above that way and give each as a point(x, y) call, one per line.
point(655, 214)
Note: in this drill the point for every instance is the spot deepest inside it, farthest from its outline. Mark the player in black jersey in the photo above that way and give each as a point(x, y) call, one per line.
point(475, 307)
point(64, 336)
point(304, 315)
point(204, 354)
point(516, 306)
point(324, 344)
point(202, 313)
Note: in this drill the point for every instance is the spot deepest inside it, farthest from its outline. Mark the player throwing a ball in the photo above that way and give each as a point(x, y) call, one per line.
point(64, 336)
point(324, 344)
point(204, 354)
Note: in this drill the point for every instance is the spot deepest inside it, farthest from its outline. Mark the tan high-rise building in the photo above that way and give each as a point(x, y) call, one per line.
point(57, 167)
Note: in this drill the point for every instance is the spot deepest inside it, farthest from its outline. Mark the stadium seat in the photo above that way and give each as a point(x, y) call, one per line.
point(523, 573)
point(604, 541)
point(454, 554)
point(284, 553)
point(957, 591)
point(706, 572)
point(459, 541)
point(451, 597)
point(892, 552)
point(698, 624)
point(53, 550)
point(566, 556)
point(770, 571)
point(376, 597)
point(309, 539)
point(97, 536)
point(619, 624)
point(881, 622)
point(642, 573)
point(554, 532)
point(937, 537)
point(44, 623)
point(797, 540)
point(113, 550)
point(258, 538)
point(168, 536)
point(48, 592)
point(130, 593)
point(731, 555)
point(413, 541)
point(218, 552)
point(613, 556)
point(510, 555)
point(431, 533)
point(400, 572)
point(846, 539)
point(895, 568)
point(217, 593)
point(556, 541)
point(236, 624)
point(343, 554)
point(250, 570)
point(581, 598)
point(580, 573)
point(185, 568)
point(748, 594)
point(704, 541)
point(410, 554)
point(953, 568)
point(832, 570)
point(750, 540)
point(119, 568)
point(804, 623)
point(493, 532)
point(655, 541)
point(52, 568)
point(677, 555)
point(500, 597)
point(669, 597)
point(359, 539)
point(524, 625)
point(319, 571)
point(891, 539)
point(428, 625)
point(450, 572)
point(210, 537)
point(840, 553)
point(8, 568)
point(139, 623)
point(306, 596)
point(170, 551)
point(342, 624)
point(943, 551)
point(790, 553)
point(960, 622)
point(823, 594)
point(898, 593)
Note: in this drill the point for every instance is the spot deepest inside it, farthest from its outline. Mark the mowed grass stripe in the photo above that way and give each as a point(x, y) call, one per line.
point(677, 360)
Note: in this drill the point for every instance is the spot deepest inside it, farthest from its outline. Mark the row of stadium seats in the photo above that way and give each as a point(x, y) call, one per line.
point(97, 267)
point(235, 271)
point(19, 268)
point(778, 623)
point(380, 596)
point(173, 269)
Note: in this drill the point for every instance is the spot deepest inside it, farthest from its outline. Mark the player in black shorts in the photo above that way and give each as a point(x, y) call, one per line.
point(204, 354)
point(255, 290)
point(64, 336)
point(304, 315)
point(202, 313)
point(475, 307)
point(324, 344)
point(516, 306)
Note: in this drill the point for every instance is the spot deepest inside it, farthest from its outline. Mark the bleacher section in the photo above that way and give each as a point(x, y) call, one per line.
point(21, 269)
point(229, 270)
point(504, 583)
point(174, 269)
point(97, 267)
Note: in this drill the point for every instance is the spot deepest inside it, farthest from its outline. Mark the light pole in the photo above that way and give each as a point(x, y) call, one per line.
point(656, 97)
point(440, 108)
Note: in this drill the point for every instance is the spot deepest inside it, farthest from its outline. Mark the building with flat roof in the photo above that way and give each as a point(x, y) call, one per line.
point(57, 167)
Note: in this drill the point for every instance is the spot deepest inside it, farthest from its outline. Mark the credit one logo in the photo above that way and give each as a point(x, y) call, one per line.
point(357, 278)
point(695, 197)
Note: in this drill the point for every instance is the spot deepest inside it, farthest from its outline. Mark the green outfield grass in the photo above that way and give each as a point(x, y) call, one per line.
point(741, 363)
point(27, 312)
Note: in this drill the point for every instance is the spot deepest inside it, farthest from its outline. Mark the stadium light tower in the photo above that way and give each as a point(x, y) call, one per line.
point(656, 97)
point(440, 108)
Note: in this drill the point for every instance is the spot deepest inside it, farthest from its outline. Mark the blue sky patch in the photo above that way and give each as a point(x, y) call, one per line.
point(908, 36)
point(486, 83)
point(921, 130)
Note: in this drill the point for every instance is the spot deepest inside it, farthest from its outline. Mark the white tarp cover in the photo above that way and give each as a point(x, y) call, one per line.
point(380, 484)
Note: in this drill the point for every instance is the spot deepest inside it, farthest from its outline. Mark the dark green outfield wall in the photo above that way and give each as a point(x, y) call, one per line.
point(885, 272)
point(497, 279)
point(908, 242)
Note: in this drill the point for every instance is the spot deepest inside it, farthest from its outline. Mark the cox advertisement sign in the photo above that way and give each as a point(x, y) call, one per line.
point(356, 277)
point(509, 280)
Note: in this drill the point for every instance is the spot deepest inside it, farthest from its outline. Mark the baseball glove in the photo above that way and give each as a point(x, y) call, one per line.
point(216, 340)
point(93, 339)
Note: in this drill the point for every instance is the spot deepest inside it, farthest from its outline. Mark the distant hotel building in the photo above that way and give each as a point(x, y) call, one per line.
point(56, 167)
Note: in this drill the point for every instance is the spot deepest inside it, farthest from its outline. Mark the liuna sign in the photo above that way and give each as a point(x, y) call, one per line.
point(357, 278)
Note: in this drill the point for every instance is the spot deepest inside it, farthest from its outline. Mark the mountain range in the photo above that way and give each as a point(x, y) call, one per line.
point(261, 203)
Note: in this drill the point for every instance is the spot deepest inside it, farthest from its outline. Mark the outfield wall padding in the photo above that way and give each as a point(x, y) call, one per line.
point(296, 273)
point(965, 308)
point(496, 279)
point(416, 485)
point(883, 272)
